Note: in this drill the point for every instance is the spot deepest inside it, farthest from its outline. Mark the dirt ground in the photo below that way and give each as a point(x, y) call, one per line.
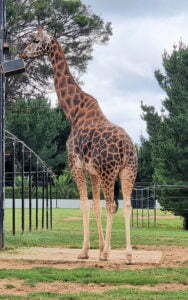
point(172, 256)
point(19, 288)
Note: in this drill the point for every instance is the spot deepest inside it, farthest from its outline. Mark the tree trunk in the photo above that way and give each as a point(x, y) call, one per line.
point(185, 222)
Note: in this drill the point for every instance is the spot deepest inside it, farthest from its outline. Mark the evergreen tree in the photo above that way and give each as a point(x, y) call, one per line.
point(169, 141)
point(77, 27)
point(146, 164)
point(40, 127)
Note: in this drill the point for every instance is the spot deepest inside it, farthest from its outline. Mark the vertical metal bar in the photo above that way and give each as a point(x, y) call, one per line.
point(132, 217)
point(43, 187)
point(51, 203)
point(142, 199)
point(155, 208)
point(13, 190)
point(47, 199)
point(36, 196)
point(30, 196)
point(148, 204)
point(56, 194)
point(137, 207)
point(22, 192)
point(2, 122)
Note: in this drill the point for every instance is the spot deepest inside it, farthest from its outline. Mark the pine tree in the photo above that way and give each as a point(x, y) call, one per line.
point(169, 141)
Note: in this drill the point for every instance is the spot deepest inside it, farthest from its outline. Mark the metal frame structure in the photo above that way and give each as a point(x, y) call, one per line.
point(34, 190)
point(6, 68)
point(2, 117)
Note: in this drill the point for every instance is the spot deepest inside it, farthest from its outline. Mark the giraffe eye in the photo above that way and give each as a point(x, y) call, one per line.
point(35, 41)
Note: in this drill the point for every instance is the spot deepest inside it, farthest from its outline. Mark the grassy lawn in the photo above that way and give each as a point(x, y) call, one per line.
point(95, 275)
point(120, 294)
point(67, 230)
point(150, 276)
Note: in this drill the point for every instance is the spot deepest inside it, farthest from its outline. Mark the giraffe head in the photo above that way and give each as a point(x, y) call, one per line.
point(38, 44)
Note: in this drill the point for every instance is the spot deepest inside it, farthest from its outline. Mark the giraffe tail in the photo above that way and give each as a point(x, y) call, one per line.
point(116, 194)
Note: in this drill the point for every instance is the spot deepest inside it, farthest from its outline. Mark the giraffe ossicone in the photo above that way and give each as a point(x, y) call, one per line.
point(95, 146)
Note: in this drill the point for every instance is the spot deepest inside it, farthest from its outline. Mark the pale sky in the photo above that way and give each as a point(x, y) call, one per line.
point(121, 74)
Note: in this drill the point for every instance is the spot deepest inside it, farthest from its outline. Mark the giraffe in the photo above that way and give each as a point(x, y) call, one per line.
point(95, 146)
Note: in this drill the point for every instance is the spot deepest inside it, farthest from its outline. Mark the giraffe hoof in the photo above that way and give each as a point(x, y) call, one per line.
point(129, 258)
point(103, 257)
point(83, 256)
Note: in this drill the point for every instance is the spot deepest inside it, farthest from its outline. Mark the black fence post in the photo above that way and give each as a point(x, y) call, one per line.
point(155, 204)
point(2, 118)
point(13, 189)
point(142, 205)
point(43, 188)
point(36, 190)
point(47, 199)
point(148, 204)
point(51, 202)
point(22, 189)
point(30, 195)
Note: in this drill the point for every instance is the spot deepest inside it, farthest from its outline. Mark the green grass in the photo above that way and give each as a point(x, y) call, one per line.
point(150, 276)
point(68, 233)
point(120, 294)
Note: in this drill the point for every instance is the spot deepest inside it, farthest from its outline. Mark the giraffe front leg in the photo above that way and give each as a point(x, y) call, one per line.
point(85, 213)
point(84, 205)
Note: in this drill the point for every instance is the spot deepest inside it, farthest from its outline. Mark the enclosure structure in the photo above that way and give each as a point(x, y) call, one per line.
point(5, 68)
point(28, 184)
point(2, 116)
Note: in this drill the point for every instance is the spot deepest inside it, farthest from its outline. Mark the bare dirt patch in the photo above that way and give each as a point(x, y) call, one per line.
point(69, 255)
point(158, 287)
point(19, 288)
point(172, 256)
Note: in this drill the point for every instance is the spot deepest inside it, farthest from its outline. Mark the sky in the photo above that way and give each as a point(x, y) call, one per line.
point(121, 73)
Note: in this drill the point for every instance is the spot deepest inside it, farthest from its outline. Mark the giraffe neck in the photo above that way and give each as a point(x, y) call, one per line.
point(78, 106)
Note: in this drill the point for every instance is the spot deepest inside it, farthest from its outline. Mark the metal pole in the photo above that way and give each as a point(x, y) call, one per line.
point(36, 190)
point(22, 188)
point(50, 202)
point(30, 196)
point(13, 190)
point(43, 187)
point(2, 118)
point(155, 209)
point(47, 204)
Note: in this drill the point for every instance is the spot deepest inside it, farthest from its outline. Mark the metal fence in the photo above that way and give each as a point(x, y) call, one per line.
point(144, 205)
point(28, 178)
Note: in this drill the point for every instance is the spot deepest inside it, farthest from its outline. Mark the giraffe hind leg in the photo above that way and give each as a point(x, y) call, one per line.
point(127, 181)
point(95, 180)
point(108, 190)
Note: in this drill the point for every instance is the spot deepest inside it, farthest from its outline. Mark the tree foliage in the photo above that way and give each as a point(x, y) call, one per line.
point(40, 127)
point(76, 26)
point(168, 134)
